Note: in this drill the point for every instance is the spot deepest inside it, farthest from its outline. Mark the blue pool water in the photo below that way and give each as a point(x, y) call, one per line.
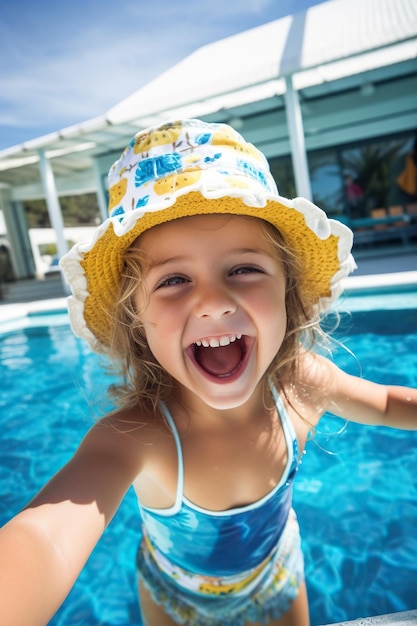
point(355, 495)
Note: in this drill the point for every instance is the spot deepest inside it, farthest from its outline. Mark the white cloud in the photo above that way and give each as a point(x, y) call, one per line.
point(62, 63)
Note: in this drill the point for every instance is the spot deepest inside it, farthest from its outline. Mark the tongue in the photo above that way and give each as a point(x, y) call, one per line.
point(219, 361)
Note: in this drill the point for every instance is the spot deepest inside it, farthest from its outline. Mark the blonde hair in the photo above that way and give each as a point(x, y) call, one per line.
point(142, 379)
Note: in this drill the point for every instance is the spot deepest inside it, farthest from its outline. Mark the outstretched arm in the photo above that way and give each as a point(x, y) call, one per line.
point(363, 401)
point(358, 399)
point(44, 548)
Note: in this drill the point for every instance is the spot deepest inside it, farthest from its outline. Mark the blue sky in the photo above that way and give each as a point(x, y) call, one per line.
point(65, 62)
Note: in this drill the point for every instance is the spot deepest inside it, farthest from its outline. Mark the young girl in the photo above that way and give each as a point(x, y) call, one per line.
point(206, 288)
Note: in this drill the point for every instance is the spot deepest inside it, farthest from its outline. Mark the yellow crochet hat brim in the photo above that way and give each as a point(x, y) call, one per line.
point(325, 258)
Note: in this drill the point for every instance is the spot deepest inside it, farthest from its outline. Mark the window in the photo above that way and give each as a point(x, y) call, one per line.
point(281, 168)
point(326, 181)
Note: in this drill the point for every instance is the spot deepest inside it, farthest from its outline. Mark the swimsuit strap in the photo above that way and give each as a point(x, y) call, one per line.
point(289, 434)
point(287, 425)
point(180, 481)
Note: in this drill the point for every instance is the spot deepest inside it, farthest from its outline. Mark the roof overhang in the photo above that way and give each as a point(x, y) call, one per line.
point(325, 48)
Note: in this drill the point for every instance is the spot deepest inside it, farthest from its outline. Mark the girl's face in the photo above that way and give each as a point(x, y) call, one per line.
point(216, 315)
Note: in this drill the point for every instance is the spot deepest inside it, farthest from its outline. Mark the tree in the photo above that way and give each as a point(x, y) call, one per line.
point(79, 210)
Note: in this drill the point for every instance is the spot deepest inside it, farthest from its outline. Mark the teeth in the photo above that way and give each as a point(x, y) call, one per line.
point(214, 342)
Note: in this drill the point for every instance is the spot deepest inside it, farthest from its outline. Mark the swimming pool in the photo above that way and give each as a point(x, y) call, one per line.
point(355, 495)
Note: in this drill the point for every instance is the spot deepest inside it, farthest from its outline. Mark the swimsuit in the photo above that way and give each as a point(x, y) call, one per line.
point(225, 567)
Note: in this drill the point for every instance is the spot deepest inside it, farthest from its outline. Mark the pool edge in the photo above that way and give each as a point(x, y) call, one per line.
point(390, 282)
point(391, 619)
point(11, 312)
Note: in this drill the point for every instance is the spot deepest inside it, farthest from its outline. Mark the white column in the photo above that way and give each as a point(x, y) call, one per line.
point(52, 202)
point(297, 143)
point(101, 197)
point(54, 208)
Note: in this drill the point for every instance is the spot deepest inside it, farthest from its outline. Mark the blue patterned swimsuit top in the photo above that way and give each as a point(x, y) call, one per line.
point(223, 543)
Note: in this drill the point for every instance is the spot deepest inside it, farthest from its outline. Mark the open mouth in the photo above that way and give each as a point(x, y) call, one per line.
point(221, 357)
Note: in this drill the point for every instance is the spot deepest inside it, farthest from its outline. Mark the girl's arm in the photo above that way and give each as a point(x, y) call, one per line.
point(363, 401)
point(358, 399)
point(44, 548)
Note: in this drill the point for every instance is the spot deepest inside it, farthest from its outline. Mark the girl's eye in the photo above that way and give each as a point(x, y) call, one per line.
point(246, 269)
point(171, 281)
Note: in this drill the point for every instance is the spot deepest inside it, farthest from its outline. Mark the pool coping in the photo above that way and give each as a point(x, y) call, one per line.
point(12, 312)
point(392, 619)
point(354, 285)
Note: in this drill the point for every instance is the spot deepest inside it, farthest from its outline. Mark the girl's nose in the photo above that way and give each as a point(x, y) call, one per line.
point(214, 302)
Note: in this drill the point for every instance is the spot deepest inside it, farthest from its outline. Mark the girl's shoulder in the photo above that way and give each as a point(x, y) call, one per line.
point(144, 449)
point(307, 396)
point(136, 422)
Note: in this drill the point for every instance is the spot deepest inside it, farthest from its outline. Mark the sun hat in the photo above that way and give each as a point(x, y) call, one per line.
point(184, 168)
